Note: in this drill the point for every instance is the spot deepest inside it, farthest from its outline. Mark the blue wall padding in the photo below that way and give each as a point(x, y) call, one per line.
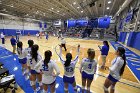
point(124, 37)
point(136, 43)
point(32, 32)
point(131, 39)
point(81, 23)
point(120, 36)
point(104, 22)
point(71, 23)
point(10, 32)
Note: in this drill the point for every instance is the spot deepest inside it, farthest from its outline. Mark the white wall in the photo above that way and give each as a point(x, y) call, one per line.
point(17, 24)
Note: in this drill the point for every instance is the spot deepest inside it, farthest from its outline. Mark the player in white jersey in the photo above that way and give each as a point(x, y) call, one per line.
point(37, 35)
point(35, 74)
point(22, 56)
point(69, 67)
point(2, 38)
point(116, 70)
point(47, 67)
point(28, 54)
point(88, 69)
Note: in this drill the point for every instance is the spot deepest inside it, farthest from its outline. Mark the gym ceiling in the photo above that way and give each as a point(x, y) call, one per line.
point(59, 9)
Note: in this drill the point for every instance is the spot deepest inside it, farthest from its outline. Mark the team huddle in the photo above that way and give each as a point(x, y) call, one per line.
point(45, 71)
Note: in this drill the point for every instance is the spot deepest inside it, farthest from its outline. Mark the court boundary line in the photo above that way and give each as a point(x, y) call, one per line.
point(97, 74)
point(104, 73)
point(121, 81)
point(127, 62)
point(129, 67)
point(106, 77)
point(133, 74)
point(6, 56)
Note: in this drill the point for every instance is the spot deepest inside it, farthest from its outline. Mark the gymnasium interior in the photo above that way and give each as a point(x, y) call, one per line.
point(80, 22)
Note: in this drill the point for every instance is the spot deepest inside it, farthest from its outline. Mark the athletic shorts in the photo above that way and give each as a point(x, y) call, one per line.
point(3, 40)
point(50, 84)
point(112, 78)
point(87, 76)
point(23, 61)
point(46, 37)
point(70, 80)
point(33, 72)
point(63, 45)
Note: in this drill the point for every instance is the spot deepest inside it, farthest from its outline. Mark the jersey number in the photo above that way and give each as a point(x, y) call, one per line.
point(30, 61)
point(69, 69)
point(90, 66)
point(45, 68)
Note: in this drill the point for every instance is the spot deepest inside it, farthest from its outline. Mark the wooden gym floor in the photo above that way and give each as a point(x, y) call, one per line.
point(97, 84)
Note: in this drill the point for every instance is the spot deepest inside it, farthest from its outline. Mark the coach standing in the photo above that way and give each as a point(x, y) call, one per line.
point(13, 43)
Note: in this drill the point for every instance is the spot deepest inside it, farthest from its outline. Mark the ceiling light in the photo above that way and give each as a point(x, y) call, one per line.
point(44, 14)
point(107, 8)
point(12, 6)
point(78, 7)
point(74, 3)
point(84, 0)
point(57, 11)
point(4, 10)
point(109, 2)
point(82, 11)
point(52, 8)
point(37, 12)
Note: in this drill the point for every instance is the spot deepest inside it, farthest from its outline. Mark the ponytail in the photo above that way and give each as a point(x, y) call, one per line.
point(34, 53)
point(121, 51)
point(68, 59)
point(123, 67)
point(47, 59)
point(30, 43)
point(19, 46)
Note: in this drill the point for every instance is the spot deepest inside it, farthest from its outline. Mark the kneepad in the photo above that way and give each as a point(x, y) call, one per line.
point(44, 91)
point(65, 89)
point(75, 87)
point(88, 88)
point(105, 88)
point(32, 83)
point(83, 87)
point(40, 83)
point(27, 71)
